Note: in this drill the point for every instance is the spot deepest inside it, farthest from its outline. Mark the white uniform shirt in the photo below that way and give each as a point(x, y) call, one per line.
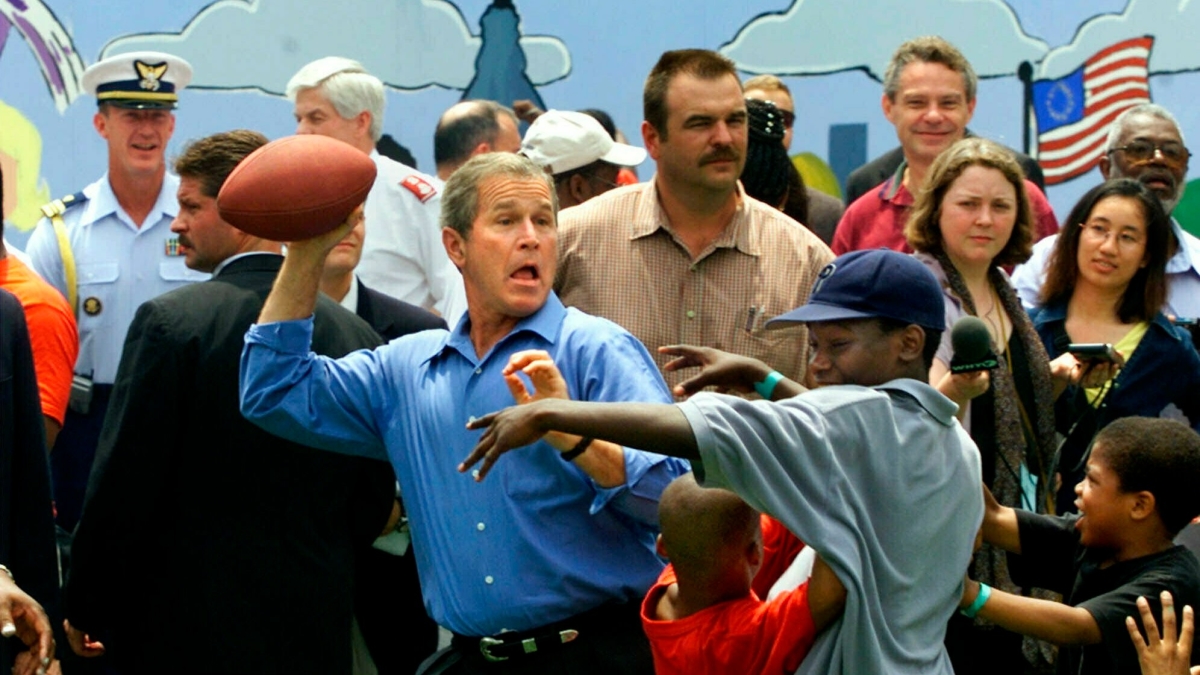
point(403, 255)
point(118, 267)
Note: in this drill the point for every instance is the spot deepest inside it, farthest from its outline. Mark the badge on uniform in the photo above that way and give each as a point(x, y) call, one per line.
point(171, 247)
point(421, 188)
point(150, 75)
point(92, 306)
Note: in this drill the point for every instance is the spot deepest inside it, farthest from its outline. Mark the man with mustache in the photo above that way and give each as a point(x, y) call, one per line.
point(542, 570)
point(205, 543)
point(688, 257)
point(1145, 144)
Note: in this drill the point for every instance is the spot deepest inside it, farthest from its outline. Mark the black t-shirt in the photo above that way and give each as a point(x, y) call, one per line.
point(1053, 559)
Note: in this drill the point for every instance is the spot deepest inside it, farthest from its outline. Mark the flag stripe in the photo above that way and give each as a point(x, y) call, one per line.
point(1114, 79)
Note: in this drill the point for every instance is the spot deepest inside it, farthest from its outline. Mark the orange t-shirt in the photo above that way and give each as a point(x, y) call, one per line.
point(52, 334)
point(746, 636)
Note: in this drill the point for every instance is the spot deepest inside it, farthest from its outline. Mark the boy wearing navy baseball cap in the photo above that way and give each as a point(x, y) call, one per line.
point(871, 469)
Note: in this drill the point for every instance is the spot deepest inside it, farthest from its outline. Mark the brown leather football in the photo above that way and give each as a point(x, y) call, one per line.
point(296, 188)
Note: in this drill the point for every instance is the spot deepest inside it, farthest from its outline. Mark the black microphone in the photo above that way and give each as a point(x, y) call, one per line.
point(972, 344)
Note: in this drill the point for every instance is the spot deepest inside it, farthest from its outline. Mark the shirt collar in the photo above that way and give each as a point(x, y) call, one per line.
point(350, 302)
point(105, 203)
point(649, 217)
point(1187, 254)
point(225, 263)
point(941, 408)
point(545, 323)
point(893, 189)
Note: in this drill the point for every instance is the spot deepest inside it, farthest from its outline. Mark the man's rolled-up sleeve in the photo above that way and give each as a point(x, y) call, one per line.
point(330, 404)
point(621, 370)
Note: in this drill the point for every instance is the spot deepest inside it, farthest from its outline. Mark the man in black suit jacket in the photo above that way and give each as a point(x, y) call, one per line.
point(387, 597)
point(207, 544)
point(883, 167)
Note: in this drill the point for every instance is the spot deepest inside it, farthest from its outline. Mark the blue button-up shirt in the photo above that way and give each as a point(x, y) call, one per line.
point(118, 266)
point(538, 540)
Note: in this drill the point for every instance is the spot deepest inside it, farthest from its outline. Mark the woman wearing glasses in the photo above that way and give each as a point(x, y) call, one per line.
point(1106, 284)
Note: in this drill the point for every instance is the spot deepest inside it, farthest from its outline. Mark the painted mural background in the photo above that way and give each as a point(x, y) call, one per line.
point(571, 55)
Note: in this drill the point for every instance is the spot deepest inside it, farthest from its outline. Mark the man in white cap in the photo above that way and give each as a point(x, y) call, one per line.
point(575, 149)
point(109, 248)
point(402, 254)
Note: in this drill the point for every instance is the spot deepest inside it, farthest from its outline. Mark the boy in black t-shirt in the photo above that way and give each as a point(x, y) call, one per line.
point(1139, 491)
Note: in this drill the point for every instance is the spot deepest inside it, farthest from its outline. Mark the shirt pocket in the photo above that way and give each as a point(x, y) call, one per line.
point(97, 293)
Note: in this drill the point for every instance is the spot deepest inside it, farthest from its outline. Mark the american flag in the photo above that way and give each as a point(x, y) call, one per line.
point(1073, 113)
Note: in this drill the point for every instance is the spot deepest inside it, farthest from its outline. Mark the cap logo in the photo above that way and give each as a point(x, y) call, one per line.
point(824, 274)
point(150, 75)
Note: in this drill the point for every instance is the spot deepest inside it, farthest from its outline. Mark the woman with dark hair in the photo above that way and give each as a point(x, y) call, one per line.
point(973, 218)
point(1106, 283)
point(769, 175)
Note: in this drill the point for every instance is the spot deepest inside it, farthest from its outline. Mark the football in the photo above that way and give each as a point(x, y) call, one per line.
point(296, 188)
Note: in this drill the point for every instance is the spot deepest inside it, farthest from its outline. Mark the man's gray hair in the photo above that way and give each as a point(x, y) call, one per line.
point(460, 197)
point(348, 87)
point(928, 49)
point(455, 138)
point(1151, 109)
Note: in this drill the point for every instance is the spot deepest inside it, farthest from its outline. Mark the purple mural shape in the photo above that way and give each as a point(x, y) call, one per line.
point(51, 44)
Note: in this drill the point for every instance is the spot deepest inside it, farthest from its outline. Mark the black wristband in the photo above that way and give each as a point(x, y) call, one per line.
point(583, 444)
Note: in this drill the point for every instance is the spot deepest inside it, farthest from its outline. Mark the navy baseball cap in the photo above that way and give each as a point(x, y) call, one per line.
point(879, 283)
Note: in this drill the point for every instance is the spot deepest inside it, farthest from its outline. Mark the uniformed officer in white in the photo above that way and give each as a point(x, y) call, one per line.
point(402, 254)
point(109, 247)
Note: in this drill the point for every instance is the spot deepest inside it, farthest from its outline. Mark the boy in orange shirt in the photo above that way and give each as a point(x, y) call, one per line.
point(702, 616)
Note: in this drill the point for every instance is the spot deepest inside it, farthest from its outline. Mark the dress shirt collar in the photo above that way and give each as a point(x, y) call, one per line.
point(941, 408)
point(546, 323)
point(226, 262)
point(350, 302)
point(1187, 254)
point(649, 217)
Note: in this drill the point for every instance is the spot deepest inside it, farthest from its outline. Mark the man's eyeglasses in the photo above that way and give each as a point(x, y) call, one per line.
point(1143, 151)
point(789, 118)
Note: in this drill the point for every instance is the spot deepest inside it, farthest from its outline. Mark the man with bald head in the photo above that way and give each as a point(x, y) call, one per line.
point(472, 128)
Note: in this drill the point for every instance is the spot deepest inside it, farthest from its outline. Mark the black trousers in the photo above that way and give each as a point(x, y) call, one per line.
point(610, 641)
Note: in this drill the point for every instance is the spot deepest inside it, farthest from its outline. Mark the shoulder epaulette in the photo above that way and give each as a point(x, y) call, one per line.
point(420, 187)
point(54, 211)
point(60, 206)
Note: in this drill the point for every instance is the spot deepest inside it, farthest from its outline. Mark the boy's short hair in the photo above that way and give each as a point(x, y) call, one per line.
point(1160, 456)
point(697, 523)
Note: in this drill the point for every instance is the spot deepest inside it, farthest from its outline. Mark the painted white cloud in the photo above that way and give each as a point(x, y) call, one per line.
point(409, 44)
point(1173, 23)
point(813, 37)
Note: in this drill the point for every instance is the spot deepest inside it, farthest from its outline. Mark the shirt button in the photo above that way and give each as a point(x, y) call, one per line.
point(479, 371)
point(488, 579)
point(480, 527)
point(691, 314)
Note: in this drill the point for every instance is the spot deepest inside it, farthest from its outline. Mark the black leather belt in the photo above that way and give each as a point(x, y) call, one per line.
point(544, 639)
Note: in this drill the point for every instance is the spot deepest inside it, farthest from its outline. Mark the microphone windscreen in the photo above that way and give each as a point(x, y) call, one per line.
point(972, 344)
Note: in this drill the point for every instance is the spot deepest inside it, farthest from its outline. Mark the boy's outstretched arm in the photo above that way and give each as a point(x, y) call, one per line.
point(1051, 621)
point(659, 428)
point(1000, 524)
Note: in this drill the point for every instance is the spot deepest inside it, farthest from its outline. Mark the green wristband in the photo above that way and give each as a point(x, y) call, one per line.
point(767, 386)
point(981, 599)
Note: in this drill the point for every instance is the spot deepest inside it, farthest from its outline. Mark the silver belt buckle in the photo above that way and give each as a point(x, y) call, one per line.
point(485, 645)
point(529, 645)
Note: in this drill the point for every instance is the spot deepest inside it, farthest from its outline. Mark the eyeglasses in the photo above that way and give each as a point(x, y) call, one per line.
point(789, 118)
point(1097, 233)
point(1143, 151)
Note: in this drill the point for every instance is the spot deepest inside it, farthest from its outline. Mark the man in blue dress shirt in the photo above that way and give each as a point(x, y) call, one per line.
point(540, 570)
